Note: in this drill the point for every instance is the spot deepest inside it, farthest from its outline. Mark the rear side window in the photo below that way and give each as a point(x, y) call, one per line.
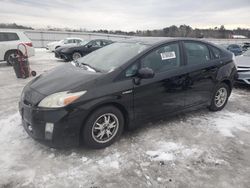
point(163, 59)
point(71, 41)
point(77, 41)
point(8, 37)
point(197, 53)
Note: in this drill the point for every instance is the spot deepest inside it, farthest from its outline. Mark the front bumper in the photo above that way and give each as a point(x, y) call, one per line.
point(243, 77)
point(67, 125)
point(62, 56)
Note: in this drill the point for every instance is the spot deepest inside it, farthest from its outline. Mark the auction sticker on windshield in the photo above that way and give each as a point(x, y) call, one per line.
point(168, 55)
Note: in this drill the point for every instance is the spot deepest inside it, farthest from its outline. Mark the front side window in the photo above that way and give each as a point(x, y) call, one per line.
point(197, 53)
point(132, 70)
point(163, 59)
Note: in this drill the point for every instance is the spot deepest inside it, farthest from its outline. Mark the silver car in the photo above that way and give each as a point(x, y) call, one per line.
point(243, 67)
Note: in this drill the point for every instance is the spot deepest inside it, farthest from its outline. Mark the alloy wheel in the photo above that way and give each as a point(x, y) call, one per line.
point(76, 56)
point(220, 97)
point(105, 128)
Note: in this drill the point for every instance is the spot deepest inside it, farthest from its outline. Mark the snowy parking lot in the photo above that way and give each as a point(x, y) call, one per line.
point(197, 149)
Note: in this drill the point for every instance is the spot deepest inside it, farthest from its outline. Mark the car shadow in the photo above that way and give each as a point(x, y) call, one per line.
point(242, 86)
point(131, 134)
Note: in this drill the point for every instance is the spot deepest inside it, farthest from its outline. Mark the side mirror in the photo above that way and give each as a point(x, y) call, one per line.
point(89, 46)
point(145, 73)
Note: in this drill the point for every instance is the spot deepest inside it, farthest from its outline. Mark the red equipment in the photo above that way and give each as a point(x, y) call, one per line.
point(21, 63)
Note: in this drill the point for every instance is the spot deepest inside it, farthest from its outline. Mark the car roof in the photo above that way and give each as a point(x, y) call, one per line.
point(151, 41)
point(11, 31)
point(68, 38)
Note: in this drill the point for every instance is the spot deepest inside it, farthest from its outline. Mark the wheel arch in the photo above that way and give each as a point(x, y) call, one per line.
point(8, 51)
point(228, 83)
point(78, 51)
point(114, 104)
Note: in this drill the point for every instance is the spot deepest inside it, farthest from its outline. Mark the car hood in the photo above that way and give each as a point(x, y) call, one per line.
point(63, 78)
point(243, 61)
point(64, 47)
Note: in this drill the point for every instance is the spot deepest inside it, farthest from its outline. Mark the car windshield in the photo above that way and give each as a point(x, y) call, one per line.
point(247, 53)
point(112, 56)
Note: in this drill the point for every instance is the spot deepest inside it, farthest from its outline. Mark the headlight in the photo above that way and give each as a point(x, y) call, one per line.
point(60, 99)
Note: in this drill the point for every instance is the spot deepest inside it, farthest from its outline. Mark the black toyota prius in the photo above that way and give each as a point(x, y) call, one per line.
point(124, 85)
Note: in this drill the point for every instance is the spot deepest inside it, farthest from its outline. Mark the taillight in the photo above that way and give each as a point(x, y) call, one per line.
point(28, 44)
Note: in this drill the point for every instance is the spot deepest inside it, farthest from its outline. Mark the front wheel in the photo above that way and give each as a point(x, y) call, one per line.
point(220, 97)
point(103, 127)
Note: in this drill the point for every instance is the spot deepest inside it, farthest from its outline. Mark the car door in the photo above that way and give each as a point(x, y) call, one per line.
point(164, 93)
point(92, 46)
point(202, 69)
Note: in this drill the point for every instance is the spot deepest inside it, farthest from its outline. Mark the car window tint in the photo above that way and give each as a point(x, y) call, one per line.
point(12, 36)
point(197, 53)
point(71, 41)
point(98, 43)
point(132, 70)
point(163, 59)
point(3, 37)
point(216, 52)
point(8, 36)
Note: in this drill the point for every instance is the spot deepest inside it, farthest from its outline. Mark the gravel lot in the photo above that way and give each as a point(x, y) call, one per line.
point(197, 149)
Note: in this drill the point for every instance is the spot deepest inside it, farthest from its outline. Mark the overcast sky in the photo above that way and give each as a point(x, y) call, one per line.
point(126, 14)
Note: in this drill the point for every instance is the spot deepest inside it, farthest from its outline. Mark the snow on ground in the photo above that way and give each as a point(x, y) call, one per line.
point(196, 149)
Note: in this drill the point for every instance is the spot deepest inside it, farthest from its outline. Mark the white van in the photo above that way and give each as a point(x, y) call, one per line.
point(9, 39)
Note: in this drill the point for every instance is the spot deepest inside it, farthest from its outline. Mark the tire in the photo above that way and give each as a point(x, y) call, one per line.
point(9, 56)
point(76, 55)
point(219, 100)
point(95, 133)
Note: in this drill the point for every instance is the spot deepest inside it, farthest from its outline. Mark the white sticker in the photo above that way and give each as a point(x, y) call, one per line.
point(168, 55)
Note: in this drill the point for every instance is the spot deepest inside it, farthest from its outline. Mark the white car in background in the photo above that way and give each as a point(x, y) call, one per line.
point(243, 67)
point(9, 40)
point(66, 42)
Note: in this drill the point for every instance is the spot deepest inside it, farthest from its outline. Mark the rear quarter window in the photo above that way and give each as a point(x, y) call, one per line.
point(197, 53)
point(8, 37)
point(217, 53)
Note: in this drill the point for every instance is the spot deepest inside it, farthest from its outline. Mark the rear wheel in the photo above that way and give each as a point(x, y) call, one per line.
point(9, 57)
point(220, 97)
point(76, 55)
point(103, 127)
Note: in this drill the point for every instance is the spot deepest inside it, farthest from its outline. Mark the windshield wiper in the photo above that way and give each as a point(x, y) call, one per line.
point(86, 65)
point(94, 68)
point(78, 64)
